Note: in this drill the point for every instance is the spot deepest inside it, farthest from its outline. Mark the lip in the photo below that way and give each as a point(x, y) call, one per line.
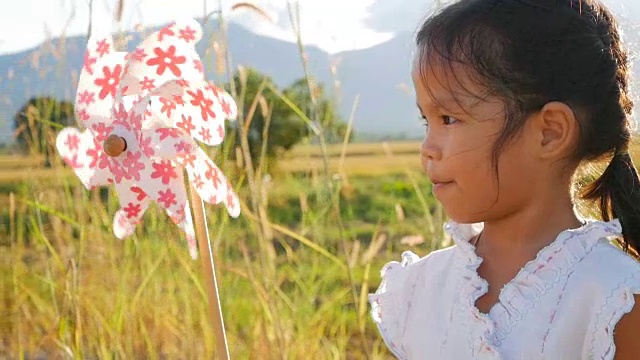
point(439, 186)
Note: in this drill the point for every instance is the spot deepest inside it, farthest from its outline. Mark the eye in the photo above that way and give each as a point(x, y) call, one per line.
point(424, 121)
point(445, 120)
point(448, 120)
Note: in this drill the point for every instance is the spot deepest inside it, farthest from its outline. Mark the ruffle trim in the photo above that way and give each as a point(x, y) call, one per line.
point(519, 296)
point(387, 307)
point(480, 327)
point(619, 302)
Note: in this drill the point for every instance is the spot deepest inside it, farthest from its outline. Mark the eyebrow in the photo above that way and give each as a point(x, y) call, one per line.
point(449, 104)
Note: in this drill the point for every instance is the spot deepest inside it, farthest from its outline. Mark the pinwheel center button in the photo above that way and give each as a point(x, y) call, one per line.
point(114, 145)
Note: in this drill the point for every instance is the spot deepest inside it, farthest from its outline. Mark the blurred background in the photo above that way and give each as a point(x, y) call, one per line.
point(327, 169)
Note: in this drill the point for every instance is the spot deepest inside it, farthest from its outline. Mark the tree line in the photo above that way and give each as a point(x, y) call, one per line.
point(277, 125)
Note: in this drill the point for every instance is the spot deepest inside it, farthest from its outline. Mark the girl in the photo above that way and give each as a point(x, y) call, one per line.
point(516, 94)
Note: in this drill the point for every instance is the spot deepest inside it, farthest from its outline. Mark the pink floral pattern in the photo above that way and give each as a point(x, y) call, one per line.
point(143, 98)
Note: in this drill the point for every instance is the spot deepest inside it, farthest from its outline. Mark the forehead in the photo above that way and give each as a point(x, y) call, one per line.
point(445, 83)
point(450, 86)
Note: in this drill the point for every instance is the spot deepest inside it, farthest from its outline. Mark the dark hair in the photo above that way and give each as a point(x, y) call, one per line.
point(531, 52)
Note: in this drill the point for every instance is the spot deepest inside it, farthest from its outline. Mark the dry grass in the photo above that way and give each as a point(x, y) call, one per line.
point(10, 162)
point(358, 149)
point(77, 292)
point(359, 159)
point(369, 165)
point(293, 282)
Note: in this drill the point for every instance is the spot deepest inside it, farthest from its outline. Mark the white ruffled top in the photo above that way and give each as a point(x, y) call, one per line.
point(562, 305)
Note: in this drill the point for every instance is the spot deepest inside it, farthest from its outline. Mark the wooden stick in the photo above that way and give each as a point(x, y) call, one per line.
point(114, 146)
point(208, 268)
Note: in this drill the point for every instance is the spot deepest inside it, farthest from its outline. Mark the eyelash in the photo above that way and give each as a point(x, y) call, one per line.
point(452, 120)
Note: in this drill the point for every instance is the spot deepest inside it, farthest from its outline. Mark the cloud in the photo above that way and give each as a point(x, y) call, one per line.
point(333, 25)
point(397, 16)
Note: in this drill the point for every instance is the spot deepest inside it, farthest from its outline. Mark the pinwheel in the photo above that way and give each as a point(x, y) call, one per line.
point(142, 113)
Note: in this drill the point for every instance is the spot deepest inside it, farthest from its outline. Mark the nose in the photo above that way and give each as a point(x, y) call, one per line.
point(429, 150)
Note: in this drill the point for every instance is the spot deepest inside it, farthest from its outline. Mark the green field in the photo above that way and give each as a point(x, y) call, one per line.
point(293, 283)
point(358, 159)
point(294, 272)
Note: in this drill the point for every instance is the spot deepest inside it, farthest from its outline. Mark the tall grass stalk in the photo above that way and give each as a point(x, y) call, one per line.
point(293, 283)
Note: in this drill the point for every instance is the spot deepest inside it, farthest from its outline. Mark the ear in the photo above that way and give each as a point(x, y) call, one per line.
point(555, 130)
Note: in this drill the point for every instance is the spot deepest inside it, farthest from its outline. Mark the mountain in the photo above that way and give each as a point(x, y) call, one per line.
point(373, 74)
point(378, 76)
point(381, 77)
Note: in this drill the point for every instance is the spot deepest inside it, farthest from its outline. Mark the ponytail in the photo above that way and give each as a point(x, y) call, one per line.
point(617, 192)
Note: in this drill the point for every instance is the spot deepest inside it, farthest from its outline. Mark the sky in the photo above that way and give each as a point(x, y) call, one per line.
point(333, 25)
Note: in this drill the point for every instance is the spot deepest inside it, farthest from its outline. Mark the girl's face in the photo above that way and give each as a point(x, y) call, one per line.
point(456, 154)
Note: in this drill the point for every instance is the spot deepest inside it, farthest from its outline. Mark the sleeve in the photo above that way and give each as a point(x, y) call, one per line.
point(618, 303)
point(389, 302)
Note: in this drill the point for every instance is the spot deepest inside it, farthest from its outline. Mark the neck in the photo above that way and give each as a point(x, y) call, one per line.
point(531, 228)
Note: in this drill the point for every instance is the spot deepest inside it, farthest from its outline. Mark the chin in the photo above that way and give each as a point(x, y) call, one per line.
point(462, 216)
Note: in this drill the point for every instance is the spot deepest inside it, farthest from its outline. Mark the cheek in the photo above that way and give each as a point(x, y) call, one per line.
point(518, 173)
point(490, 193)
point(470, 160)
point(471, 156)
point(423, 151)
point(480, 193)
point(475, 172)
point(474, 197)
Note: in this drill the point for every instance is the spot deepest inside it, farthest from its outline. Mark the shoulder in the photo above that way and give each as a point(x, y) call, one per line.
point(398, 276)
point(389, 302)
point(607, 268)
point(402, 275)
point(607, 262)
point(626, 345)
point(613, 278)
